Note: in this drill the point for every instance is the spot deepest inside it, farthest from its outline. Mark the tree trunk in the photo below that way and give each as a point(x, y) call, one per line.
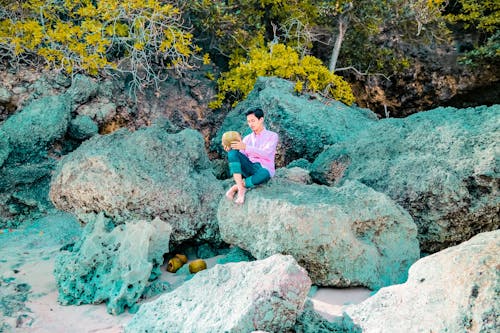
point(338, 43)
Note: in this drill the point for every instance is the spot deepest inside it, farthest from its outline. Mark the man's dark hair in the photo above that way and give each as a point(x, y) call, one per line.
point(257, 112)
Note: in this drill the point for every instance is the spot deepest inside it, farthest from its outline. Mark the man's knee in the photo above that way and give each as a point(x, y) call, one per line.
point(263, 175)
point(233, 155)
point(260, 177)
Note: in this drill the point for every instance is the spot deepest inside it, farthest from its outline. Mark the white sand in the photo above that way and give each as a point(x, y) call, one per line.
point(47, 316)
point(330, 302)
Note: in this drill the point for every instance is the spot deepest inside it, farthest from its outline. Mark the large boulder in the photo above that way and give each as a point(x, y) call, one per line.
point(305, 124)
point(442, 166)
point(142, 175)
point(111, 263)
point(344, 236)
point(265, 295)
point(455, 290)
point(27, 157)
point(34, 128)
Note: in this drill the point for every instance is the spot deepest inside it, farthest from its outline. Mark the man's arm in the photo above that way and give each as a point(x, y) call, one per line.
point(265, 150)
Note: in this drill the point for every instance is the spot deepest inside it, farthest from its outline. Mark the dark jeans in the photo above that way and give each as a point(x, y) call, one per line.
point(253, 173)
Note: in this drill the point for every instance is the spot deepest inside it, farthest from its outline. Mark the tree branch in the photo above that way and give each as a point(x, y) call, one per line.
point(360, 73)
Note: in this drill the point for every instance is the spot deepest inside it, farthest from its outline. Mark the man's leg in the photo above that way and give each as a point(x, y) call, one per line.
point(232, 190)
point(260, 176)
point(238, 164)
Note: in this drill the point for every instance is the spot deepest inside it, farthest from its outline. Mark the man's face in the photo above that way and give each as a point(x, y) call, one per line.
point(256, 124)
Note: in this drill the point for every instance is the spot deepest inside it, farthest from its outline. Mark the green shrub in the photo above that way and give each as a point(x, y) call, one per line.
point(140, 37)
point(282, 61)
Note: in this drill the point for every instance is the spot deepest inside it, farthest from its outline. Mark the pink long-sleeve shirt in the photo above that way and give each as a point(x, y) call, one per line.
point(261, 148)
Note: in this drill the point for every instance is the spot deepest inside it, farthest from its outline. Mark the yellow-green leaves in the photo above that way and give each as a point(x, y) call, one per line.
point(282, 61)
point(91, 36)
point(484, 15)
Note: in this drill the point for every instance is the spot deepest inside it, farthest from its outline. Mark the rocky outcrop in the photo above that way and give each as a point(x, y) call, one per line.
point(26, 155)
point(265, 295)
point(434, 77)
point(344, 236)
point(305, 124)
point(111, 264)
point(142, 175)
point(184, 101)
point(455, 290)
point(31, 131)
point(441, 166)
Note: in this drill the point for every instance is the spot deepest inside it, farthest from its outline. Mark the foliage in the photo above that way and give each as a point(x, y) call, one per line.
point(231, 28)
point(377, 30)
point(483, 15)
point(482, 18)
point(140, 37)
point(282, 61)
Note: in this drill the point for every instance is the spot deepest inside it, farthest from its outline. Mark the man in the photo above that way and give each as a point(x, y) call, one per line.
point(251, 160)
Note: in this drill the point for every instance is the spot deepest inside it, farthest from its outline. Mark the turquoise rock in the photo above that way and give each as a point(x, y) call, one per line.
point(26, 138)
point(344, 236)
point(442, 166)
point(305, 125)
point(265, 295)
point(235, 254)
point(82, 127)
point(142, 175)
point(110, 263)
point(4, 147)
point(455, 290)
point(35, 127)
point(82, 89)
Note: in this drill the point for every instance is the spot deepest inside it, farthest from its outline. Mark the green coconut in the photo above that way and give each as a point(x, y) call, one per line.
point(197, 265)
point(174, 264)
point(230, 136)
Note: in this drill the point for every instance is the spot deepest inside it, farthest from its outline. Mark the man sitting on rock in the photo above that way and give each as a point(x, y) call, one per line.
point(251, 160)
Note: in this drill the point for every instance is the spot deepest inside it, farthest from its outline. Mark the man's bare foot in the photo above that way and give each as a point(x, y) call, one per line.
point(241, 196)
point(230, 193)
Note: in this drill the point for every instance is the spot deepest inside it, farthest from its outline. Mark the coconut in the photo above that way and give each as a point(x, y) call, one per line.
point(230, 136)
point(174, 264)
point(182, 257)
point(197, 265)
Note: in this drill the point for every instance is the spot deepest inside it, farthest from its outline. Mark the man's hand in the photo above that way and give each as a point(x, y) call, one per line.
point(239, 145)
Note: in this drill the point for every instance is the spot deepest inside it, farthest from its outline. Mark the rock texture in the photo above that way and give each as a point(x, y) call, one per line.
point(32, 130)
point(27, 141)
point(435, 77)
point(305, 124)
point(455, 290)
point(310, 321)
point(112, 264)
point(82, 128)
point(142, 175)
point(82, 89)
point(345, 236)
point(265, 295)
point(442, 166)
